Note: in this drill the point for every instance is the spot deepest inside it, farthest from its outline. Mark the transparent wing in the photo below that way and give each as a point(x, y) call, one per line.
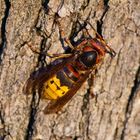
point(37, 78)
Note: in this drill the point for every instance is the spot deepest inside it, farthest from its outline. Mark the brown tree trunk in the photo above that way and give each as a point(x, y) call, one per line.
point(113, 114)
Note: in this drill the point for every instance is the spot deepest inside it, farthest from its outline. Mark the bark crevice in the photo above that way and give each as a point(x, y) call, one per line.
point(100, 21)
point(32, 117)
point(3, 27)
point(129, 105)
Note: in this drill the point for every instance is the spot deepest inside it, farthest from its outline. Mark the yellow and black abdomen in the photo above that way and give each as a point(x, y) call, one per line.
point(59, 84)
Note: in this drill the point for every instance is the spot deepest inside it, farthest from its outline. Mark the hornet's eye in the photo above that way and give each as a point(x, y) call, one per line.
point(88, 58)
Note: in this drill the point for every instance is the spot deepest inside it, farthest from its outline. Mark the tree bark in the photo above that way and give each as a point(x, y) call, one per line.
point(113, 114)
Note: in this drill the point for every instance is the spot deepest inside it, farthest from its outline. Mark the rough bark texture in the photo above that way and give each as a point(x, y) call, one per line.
point(113, 114)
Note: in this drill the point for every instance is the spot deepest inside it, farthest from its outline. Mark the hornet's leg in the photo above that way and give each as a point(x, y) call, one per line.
point(54, 56)
point(63, 36)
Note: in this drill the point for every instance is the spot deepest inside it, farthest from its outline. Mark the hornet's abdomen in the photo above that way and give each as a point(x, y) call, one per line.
point(58, 85)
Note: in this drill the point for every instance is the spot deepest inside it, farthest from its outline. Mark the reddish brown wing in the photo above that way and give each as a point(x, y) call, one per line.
point(37, 78)
point(56, 105)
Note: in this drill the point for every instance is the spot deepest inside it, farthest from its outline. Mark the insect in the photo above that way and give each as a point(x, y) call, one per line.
point(59, 83)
